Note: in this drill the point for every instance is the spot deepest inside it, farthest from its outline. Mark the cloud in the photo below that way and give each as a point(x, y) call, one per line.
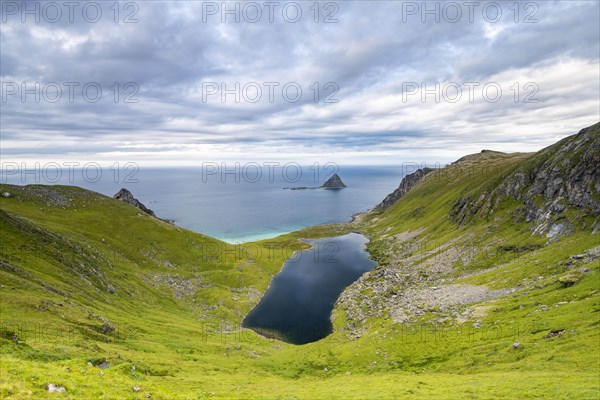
point(367, 65)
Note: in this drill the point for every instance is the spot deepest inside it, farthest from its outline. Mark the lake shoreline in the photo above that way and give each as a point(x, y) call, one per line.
point(288, 309)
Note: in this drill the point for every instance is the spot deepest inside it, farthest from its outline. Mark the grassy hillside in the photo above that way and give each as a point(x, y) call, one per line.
point(466, 301)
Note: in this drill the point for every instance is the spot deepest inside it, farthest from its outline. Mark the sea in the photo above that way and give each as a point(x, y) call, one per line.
point(235, 203)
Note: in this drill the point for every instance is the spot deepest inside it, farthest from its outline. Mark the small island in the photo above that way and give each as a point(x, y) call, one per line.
point(335, 182)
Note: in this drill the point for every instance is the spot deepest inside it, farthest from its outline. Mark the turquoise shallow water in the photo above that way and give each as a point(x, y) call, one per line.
point(238, 206)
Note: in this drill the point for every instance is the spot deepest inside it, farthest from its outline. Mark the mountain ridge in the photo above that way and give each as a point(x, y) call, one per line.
point(466, 288)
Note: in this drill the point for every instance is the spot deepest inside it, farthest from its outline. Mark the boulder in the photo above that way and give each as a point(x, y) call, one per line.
point(52, 388)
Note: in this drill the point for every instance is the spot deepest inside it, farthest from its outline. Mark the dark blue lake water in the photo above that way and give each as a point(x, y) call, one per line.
point(235, 205)
point(297, 306)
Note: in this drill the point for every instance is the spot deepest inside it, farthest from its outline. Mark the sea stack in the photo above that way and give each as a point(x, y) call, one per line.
point(335, 182)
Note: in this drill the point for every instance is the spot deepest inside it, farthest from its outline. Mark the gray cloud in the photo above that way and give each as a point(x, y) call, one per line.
point(369, 54)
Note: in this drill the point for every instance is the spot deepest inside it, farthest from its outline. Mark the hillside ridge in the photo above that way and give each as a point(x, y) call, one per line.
point(476, 280)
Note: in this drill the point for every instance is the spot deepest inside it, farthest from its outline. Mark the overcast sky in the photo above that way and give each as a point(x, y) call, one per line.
point(370, 61)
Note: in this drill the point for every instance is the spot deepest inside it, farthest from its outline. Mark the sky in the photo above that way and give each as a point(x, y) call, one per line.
point(177, 83)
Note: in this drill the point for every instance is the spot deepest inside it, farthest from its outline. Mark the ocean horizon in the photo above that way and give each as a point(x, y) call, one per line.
point(235, 205)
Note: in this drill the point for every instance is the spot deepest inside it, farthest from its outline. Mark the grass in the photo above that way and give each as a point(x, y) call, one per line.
point(87, 279)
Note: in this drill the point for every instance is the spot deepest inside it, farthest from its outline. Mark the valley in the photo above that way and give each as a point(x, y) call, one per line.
point(486, 286)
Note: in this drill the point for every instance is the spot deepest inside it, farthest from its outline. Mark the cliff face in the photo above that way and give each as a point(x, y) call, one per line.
point(562, 176)
point(126, 196)
point(408, 182)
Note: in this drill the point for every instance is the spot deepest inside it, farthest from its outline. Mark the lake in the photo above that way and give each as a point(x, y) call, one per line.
point(296, 307)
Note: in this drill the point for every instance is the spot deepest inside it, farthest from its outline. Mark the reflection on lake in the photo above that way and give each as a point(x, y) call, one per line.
point(297, 306)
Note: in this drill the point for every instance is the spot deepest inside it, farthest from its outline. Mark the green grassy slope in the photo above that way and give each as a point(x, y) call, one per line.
point(87, 279)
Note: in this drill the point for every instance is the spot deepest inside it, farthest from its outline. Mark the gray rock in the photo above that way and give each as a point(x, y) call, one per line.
point(556, 230)
point(52, 388)
point(408, 182)
point(6, 194)
point(563, 176)
point(126, 196)
point(596, 227)
point(107, 328)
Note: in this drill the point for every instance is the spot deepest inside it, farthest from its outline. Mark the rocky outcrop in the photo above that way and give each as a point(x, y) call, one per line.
point(556, 190)
point(568, 171)
point(408, 182)
point(563, 176)
point(126, 196)
point(335, 182)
